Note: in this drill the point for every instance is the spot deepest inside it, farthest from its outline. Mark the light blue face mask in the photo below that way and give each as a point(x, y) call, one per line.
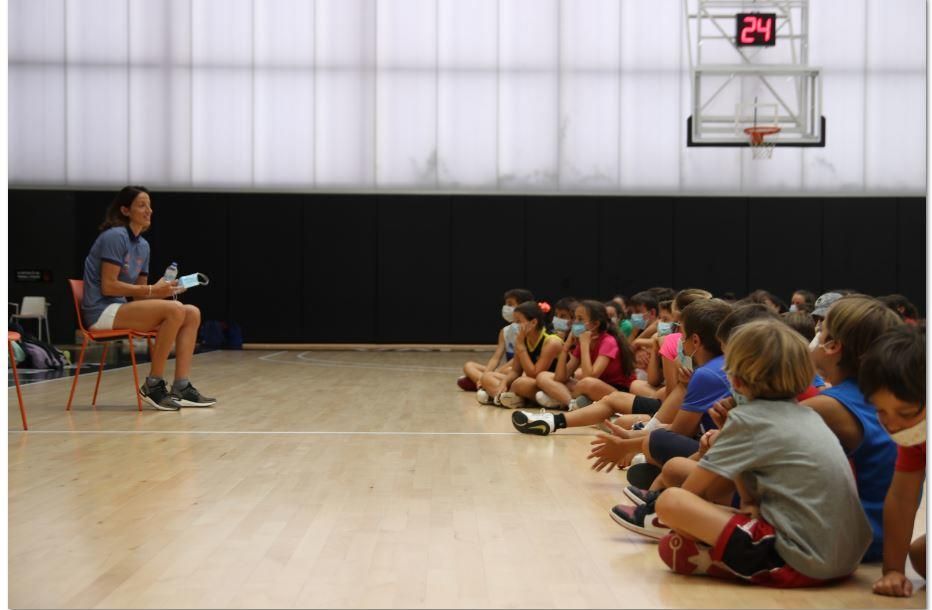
point(578, 328)
point(195, 279)
point(638, 321)
point(685, 361)
point(561, 324)
point(664, 328)
point(740, 399)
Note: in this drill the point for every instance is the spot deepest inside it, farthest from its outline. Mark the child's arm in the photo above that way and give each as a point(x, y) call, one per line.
point(655, 365)
point(550, 351)
point(706, 484)
point(839, 419)
point(561, 374)
point(499, 352)
point(899, 515)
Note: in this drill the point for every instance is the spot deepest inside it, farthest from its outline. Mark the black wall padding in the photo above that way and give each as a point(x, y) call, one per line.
point(433, 268)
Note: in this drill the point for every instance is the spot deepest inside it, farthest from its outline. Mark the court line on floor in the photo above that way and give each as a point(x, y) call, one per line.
point(275, 433)
point(306, 361)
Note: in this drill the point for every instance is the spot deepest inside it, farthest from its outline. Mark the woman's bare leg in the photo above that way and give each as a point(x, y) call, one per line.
point(166, 316)
point(186, 340)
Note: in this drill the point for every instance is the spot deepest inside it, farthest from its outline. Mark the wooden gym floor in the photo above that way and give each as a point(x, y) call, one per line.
point(331, 479)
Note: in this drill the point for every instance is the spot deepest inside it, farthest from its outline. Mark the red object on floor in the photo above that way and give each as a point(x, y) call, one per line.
point(466, 384)
point(10, 338)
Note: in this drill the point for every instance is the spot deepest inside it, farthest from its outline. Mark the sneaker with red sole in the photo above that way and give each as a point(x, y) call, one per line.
point(685, 556)
point(640, 519)
point(466, 384)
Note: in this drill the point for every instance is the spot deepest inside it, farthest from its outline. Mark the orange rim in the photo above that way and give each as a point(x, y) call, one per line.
point(757, 133)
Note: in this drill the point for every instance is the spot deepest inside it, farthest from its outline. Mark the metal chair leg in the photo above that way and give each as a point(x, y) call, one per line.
point(100, 372)
point(77, 373)
point(19, 394)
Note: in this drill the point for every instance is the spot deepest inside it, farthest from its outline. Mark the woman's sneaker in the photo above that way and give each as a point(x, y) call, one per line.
point(483, 397)
point(466, 384)
point(158, 396)
point(544, 400)
point(510, 400)
point(541, 423)
point(641, 519)
point(188, 396)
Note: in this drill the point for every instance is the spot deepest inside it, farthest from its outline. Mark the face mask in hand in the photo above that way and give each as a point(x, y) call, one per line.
point(195, 279)
point(685, 361)
point(508, 312)
point(561, 325)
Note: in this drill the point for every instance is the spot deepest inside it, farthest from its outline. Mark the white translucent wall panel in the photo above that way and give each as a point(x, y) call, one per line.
point(406, 93)
point(284, 92)
point(836, 34)
point(783, 172)
point(840, 164)
point(97, 124)
point(590, 102)
point(222, 92)
point(895, 86)
point(36, 30)
point(344, 106)
point(96, 31)
point(36, 99)
point(528, 94)
point(467, 94)
point(160, 92)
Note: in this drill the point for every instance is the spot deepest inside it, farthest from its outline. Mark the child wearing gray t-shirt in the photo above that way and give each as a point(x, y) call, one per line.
point(800, 522)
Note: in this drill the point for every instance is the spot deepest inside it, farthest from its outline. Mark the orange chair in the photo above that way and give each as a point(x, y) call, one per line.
point(104, 336)
point(10, 338)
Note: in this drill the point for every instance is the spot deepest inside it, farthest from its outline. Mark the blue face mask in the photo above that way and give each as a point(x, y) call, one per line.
point(561, 325)
point(638, 321)
point(195, 279)
point(794, 308)
point(664, 328)
point(685, 361)
point(578, 328)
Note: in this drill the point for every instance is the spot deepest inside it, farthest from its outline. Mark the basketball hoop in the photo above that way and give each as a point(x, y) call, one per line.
point(761, 148)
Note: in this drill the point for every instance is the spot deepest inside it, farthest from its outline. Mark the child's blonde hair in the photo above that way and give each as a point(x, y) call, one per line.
point(770, 359)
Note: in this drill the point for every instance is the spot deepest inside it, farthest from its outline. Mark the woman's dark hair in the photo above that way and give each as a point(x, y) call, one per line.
point(896, 361)
point(599, 315)
point(519, 294)
point(896, 301)
point(114, 217)
point(808, 296)
point(662, 293)
point(762, 296)
point(666, 305)
point(742, 314)
point(800, 321)
point(645, 298)
point(532, 311)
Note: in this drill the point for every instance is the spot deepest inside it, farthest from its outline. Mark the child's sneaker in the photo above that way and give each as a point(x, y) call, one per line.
point(641, 496)
point(541, 423)
point(641, 519)
point(483, 397)
point(544, 400)
point(639, 425)
point(510, 400)
point(579, 402)
point(466, 384)
point(638, 458)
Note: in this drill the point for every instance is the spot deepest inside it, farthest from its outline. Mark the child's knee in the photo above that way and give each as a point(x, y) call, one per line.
point(669, 504)
point(545, 377)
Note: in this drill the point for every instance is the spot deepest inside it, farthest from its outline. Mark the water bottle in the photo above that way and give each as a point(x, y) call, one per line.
point(171, 272)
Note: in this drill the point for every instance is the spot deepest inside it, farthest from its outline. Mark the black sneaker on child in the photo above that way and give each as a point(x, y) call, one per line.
point(641, 496)
point(188, 396)
point(158, 396)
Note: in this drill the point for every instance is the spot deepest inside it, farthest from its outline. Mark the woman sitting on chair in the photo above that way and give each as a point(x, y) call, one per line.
point(117, 267)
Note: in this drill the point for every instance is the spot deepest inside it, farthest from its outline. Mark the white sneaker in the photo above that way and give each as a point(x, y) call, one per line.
point(510, 400)
point(638, 459)
point(541, 423)
point(579, 402)
point(483, 397)
point(544, 400)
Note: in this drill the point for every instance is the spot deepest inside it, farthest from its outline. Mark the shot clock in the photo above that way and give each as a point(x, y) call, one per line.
point(756, 29)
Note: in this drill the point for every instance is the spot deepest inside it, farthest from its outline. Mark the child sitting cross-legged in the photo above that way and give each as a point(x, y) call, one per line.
point(800, 521)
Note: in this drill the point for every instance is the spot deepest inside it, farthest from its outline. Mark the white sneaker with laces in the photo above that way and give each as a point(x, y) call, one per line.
point(540, 424)
point(510, 400)
point(544, 400)
point(483, 397)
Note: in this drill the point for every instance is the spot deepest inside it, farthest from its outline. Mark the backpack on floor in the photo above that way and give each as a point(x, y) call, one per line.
point(41, 355)
point(211, 333)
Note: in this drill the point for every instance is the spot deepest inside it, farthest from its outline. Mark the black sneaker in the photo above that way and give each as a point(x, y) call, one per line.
point(641, 519)
point(641, 496)
point(158, 396)
point(190, 397)
point(643, 475)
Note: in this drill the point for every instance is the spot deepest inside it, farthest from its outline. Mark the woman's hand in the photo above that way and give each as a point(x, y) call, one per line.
point(584, 339)
point(163, 289)
point(894, 583)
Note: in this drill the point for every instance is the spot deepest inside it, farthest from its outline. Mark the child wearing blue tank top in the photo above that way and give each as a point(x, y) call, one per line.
point(851, 326)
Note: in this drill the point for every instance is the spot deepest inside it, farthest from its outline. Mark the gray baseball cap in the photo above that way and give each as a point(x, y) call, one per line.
point(823, 303)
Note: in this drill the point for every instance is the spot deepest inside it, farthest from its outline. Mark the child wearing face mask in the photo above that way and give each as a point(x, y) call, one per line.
point(643, 306)
point(893, 378)
point(563, 312)
point(852, 324)
point(605, 361)
point(535, 352)
point(799, 523)
point(504, 349)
